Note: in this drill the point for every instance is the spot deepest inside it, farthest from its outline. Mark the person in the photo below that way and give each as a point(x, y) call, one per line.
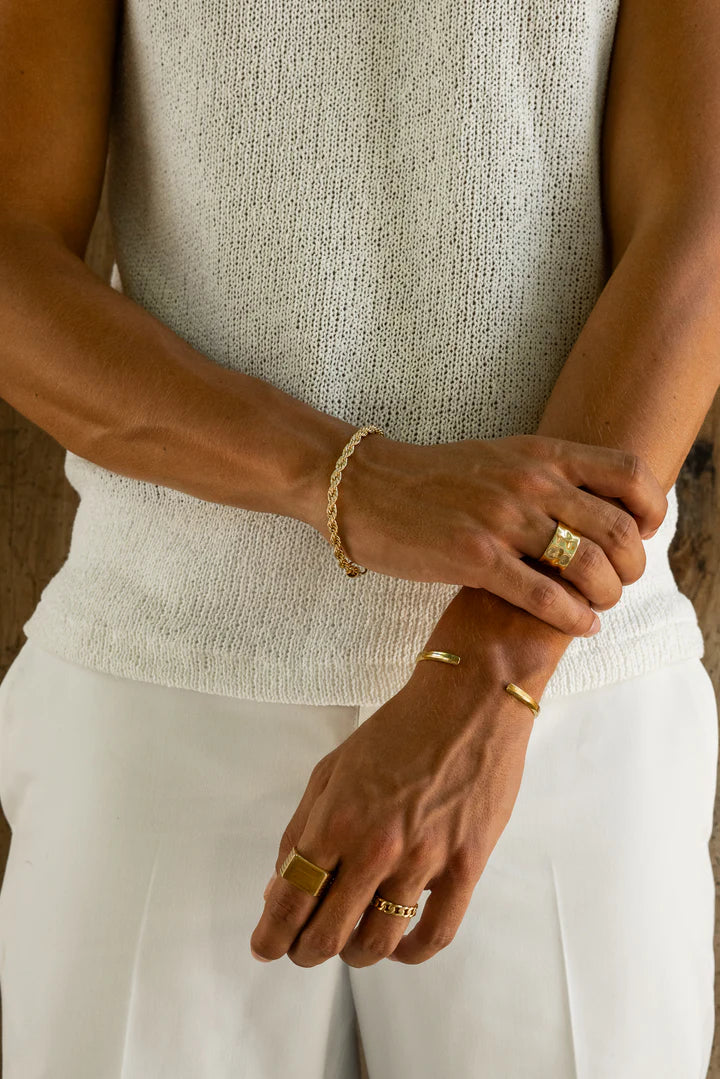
point(412, 325)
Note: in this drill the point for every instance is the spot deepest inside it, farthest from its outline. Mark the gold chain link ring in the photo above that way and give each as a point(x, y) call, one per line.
point(387, 907)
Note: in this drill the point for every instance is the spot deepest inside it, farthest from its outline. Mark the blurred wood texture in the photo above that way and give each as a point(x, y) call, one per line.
point(37, 508)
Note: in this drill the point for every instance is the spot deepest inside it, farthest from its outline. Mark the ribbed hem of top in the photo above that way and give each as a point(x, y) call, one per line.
point(359, 682)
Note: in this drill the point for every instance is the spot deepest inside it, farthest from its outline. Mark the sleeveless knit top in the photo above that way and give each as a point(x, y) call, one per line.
point(391, 211)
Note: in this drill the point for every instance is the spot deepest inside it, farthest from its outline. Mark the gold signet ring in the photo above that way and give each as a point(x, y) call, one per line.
point(304, 874)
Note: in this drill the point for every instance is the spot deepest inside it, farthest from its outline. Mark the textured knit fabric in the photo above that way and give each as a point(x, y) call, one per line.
point(391, 211)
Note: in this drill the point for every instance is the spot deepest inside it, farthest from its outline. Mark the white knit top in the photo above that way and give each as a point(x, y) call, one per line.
point(391, 211)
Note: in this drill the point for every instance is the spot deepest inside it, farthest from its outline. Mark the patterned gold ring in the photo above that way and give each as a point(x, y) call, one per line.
point(562, 548)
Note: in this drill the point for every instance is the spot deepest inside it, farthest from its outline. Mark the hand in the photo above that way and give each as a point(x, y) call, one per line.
point(469, 512)
point(415, 798)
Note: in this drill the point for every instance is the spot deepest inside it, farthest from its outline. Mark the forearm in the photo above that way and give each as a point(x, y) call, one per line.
point(116, 386)
point(645, 368)
point(641, 376)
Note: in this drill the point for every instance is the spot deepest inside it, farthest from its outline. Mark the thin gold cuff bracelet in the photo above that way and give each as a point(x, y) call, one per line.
point(521, 695)
point(444, 657)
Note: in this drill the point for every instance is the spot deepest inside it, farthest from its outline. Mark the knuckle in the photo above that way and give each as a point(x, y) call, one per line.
point(523, 479)
point(377, 947)
point(589, 557)
point(425, 850)
point(634, 467)
point(623, 530)
point(480, 549)
point(462, 869)
point(533, 481)
point(283, 908)
point(383, 845)
point(539, 446)
point(438, 939)
point(322, 944)
point(385, 836)
point(544, 594)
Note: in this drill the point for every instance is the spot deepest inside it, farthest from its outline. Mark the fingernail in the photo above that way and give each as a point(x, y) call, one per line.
point(260, 957)
point(593, 628)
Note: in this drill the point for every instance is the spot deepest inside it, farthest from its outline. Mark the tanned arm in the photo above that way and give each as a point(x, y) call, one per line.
point(74, 351)
point(643, 372)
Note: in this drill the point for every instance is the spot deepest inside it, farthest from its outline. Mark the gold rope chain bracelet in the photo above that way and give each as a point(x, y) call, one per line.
point(351, 568)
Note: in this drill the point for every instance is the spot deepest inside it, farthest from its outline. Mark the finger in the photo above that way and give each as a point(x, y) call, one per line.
point(620, 474)
point(315, 786)
point(359, 874)
point(331, 923)
point(610, 527)
point(444, 910)
point(288, 907)
point(542, 595)
point(379, 932)
point(291, 836)
point(590, 570)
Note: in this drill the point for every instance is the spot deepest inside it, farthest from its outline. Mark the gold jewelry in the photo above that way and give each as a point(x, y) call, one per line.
point(521, 695)
point(562, 547)
point(444, 657)
point(387, 907)
point(351, 568)
point(304, 874)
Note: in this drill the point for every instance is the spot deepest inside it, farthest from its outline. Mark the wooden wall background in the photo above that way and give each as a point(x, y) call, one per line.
point(37, 508)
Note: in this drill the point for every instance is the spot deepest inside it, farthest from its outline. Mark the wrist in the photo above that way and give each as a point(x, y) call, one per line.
point(319, 444)
point(497, 643)
point(364, 473)
point(471, 695)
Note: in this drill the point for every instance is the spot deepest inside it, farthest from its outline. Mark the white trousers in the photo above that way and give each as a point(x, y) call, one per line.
point(146, 822)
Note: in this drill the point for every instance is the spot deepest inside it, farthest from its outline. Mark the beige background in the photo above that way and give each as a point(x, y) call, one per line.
point(37, 507)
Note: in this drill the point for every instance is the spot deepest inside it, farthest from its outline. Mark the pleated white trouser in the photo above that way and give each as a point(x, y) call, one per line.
point(146, 822)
